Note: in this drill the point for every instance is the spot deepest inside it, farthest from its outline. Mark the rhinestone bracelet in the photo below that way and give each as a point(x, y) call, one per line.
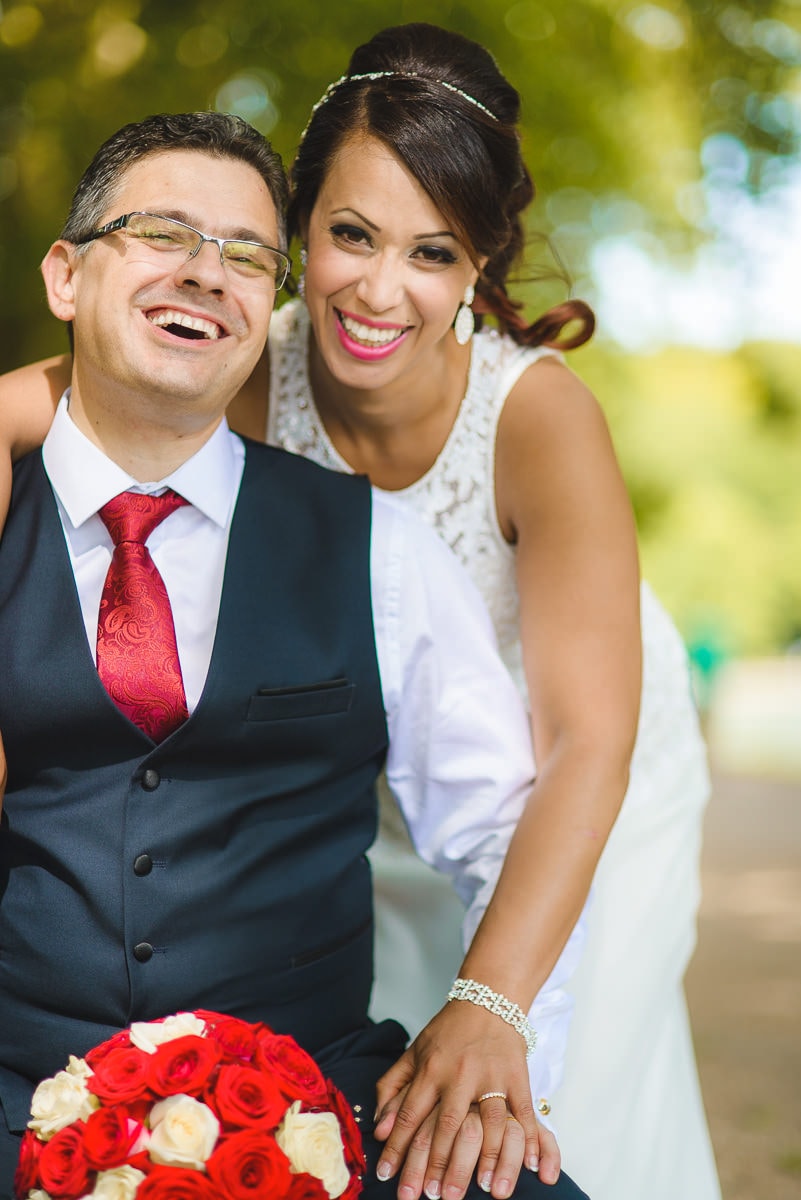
point(479, 993)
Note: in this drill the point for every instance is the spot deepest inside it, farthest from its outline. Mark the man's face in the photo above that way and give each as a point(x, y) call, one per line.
point(157, 332)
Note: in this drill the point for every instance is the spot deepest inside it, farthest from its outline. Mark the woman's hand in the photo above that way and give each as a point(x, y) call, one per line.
point(436, 1129)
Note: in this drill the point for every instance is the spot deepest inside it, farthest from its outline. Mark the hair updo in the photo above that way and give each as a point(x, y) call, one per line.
point(466, 159)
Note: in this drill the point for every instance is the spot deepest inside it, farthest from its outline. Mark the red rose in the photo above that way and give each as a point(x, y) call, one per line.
point(98, 1053)
point(109, 1137)
point(29, 1152)
point(183, 1065)
point(295, 1072)
point(120, 1076)
point(307, 1187)
point(63, 1169)
point(176, 1183)
point(244, 1096)
point(351, 1134)
point(237, 1038)
point(248, 1165)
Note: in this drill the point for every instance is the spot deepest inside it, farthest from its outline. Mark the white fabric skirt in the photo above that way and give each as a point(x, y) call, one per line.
point(628, 1112)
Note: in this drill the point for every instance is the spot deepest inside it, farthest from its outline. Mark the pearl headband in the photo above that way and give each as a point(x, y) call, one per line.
point(371, 75)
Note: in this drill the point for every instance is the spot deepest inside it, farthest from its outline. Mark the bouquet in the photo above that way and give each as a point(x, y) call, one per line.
point(196, 1106)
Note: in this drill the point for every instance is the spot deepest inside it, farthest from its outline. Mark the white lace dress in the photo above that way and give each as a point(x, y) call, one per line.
point(628, 1111)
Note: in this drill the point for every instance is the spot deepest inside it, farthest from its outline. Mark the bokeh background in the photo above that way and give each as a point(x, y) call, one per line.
point(664, 139)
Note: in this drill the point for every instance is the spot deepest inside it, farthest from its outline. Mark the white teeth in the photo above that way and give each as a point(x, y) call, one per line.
point(170, 316)
point(368, 333)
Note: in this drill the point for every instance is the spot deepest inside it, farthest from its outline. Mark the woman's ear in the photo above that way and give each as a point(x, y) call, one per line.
point(58, 267)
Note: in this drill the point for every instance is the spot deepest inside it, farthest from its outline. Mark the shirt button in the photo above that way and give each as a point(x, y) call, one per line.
point(150, 780)
point(143, 864)
point(143, 952)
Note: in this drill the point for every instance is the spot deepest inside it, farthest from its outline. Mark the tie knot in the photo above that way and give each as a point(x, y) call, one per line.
point(132, 516)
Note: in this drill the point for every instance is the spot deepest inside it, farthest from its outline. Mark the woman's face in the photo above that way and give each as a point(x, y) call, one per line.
point(385, 273)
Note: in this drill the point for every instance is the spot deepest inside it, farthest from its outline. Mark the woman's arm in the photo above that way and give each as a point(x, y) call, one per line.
point(561, 500)
point(28, 399)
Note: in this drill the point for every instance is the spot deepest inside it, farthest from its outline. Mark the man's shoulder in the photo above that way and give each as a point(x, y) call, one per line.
point(262, 458)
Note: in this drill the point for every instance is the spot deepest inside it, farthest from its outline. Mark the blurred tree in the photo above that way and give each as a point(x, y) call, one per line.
point(634, 113)
point(621, 100)
point(709, 445)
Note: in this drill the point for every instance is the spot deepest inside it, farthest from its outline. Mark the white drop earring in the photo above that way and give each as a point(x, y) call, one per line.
point(465, 322)
point(304, 258)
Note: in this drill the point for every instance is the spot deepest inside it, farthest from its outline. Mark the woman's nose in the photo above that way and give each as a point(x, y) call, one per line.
point(381, 284)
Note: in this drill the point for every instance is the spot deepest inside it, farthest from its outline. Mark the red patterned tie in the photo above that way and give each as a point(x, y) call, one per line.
point(137, 657)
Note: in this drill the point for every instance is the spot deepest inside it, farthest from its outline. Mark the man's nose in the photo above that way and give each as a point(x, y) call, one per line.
point(204, 269)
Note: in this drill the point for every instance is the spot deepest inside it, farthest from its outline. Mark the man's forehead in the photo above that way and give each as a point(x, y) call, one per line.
point(202, 188)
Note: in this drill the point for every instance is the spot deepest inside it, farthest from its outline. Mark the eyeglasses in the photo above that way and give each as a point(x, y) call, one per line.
point(248, 260)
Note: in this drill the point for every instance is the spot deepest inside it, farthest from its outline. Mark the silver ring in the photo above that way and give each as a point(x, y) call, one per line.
point(492, 1096)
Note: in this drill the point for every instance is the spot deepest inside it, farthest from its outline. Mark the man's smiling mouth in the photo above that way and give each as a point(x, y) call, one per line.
point(183, 325)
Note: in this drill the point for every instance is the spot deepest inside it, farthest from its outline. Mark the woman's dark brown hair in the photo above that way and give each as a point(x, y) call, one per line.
point(467, 159)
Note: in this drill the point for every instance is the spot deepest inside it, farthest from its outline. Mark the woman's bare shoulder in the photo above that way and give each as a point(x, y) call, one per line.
point(28, 399)
point(553, 445)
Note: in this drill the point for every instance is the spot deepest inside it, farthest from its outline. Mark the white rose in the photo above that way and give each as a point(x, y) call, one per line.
point(183, 1132)
point(79, 1067)
point(147, 1035)
point(38, 1194)
point(59, 1101)
point(313, 1143)
point(119, 1184)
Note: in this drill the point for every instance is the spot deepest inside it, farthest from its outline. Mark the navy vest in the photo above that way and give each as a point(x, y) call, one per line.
point(225, 868)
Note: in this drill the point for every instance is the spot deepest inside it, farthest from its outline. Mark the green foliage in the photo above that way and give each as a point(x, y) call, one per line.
point(618, 96)
point(710, 447)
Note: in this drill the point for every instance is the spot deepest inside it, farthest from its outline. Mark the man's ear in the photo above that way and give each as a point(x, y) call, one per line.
point(58, 267)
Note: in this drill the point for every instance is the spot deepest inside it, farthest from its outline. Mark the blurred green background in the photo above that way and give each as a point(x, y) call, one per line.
point(647, 126)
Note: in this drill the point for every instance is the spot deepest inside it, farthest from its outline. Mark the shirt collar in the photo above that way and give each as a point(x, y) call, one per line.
point(85, 479)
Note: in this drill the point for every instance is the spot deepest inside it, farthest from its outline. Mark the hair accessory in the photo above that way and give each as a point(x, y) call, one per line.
point(492, 1096)
point(494, 1002)
point(304, 258)
point(372, 75)
point(465, 323)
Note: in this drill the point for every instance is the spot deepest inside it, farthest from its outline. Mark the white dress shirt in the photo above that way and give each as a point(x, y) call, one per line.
point(459, 759)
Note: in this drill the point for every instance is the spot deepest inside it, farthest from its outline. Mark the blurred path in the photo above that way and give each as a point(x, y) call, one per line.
point(744, 986)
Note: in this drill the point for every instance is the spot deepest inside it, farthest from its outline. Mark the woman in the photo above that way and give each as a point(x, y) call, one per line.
point(408, 197)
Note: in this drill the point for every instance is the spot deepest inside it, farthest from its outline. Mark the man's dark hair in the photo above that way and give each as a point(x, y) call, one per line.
point(219, 134)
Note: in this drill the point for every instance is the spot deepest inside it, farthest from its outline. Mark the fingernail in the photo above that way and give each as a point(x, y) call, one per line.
point(433, 1190)
point(383, 1171)
point(503, 1187)
point(485, 1182)
point(405, 1192)
point(533, 1163)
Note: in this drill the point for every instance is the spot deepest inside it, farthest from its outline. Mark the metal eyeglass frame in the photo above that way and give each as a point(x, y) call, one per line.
point(121, 223)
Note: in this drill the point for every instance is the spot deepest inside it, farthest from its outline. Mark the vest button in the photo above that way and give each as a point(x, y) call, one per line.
point(143, 952)
point(150, 780)
point(143, 864)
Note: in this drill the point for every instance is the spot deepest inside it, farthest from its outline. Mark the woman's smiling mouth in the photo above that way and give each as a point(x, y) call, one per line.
point(368, 341)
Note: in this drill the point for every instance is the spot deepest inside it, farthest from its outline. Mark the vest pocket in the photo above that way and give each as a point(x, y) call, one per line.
point(324, 698)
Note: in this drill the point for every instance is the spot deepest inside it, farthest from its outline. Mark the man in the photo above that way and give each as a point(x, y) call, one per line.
point(190, 800)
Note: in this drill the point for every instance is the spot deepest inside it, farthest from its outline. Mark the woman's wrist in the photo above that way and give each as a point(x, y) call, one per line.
point(495, 1002)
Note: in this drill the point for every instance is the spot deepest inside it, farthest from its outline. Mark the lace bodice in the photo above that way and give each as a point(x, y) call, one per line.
point(456, 497)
